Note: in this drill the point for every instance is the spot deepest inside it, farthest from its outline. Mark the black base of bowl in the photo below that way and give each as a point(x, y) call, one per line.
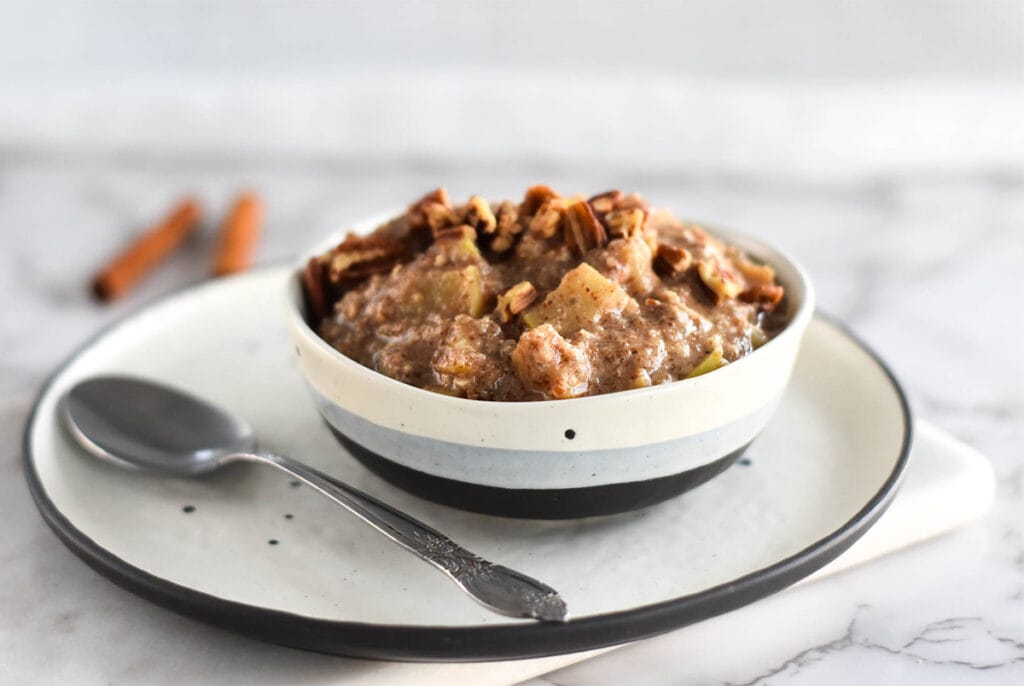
point(547, 503)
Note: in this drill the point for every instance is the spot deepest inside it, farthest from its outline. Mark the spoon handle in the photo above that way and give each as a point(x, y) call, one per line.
point(496, 587)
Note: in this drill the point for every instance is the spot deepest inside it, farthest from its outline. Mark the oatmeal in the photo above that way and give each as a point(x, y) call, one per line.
point(550, 297)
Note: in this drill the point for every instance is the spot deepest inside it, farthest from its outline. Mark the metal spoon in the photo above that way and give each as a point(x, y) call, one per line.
point(141, 423)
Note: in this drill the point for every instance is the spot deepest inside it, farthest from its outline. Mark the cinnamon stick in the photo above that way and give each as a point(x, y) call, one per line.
point(238, 236)
point(147, 251)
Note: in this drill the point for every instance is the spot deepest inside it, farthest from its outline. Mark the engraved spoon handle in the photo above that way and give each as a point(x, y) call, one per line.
point(496, 587)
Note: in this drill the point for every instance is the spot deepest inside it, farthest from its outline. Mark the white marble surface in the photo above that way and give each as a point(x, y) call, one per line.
point(919, 265)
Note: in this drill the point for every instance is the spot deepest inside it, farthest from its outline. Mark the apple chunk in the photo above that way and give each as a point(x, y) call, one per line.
point(579, 300)
point(447, 292)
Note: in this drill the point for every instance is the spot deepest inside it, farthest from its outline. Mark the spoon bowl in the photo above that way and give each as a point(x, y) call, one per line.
point(113, 418)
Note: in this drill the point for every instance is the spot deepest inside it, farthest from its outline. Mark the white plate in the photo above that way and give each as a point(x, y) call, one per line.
point(260, 556)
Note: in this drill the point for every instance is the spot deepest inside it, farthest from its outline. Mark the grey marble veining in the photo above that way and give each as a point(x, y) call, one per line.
point(925, 267)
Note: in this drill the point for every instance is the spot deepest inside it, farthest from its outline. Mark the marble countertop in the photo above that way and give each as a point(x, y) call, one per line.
point(919, 264)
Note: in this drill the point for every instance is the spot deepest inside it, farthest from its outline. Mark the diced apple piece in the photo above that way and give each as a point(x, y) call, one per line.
point(713, 361)
point(466, 248)
point(456, 245)
point(459, 292)
point(719, 278)
point(642, 379)
point(756, 273)
point(448, 292)
point(641, 272)
point(580, 299)
point(532, 318)
point(758, 337)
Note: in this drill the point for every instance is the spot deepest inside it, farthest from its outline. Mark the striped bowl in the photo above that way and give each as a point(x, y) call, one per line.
point(556, 459)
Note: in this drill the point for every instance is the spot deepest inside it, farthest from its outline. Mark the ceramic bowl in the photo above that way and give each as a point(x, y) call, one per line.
point(556, 459)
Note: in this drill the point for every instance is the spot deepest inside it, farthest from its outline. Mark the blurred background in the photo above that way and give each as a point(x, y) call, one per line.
point(879, 141)
point(796, 89)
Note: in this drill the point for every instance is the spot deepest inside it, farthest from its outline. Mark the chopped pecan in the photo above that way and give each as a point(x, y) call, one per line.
point(761, 287)
point(439, 217)
point(515, 300)
point(604, 203)
point(623, 216)
point(767, 295)
point(582, 230)
point(477, 213)
point(317, 290)
point(724, 282)
point(633, 201)
point(415, 239)
point(610, 201)
point(671, 260)
point(458, 233)
point(536, 197)
point(549, 218)
point(360, 256)
point(417, 215)
point(508, 227)
point(625, 223)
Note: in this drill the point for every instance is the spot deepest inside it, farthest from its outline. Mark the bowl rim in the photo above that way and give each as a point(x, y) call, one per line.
point(790, 334)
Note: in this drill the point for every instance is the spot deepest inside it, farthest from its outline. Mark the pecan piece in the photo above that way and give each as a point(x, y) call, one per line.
point(548, 219)
point(767, 295)
point(418, 215)
point(478, 214)
point(724, 282)
point(508, 227)
point(671, 260)
point(316, 289)
point(603, 203)
point(622, 215)
point(457, 233)
point(625, 223)
point(359, 256)
point(456, 245)
point(582, 230)
point(439, 217)
point(761, 287)
point(515, 300)
point(633, 201)
point(536, 197)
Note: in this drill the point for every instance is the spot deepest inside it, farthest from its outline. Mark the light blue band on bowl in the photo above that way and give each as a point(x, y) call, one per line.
point(505, 468)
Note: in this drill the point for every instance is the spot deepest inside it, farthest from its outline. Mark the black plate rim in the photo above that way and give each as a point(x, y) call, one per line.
point(447, 643)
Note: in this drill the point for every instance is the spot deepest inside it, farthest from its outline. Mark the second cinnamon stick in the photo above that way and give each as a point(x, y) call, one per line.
point(239, 235)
